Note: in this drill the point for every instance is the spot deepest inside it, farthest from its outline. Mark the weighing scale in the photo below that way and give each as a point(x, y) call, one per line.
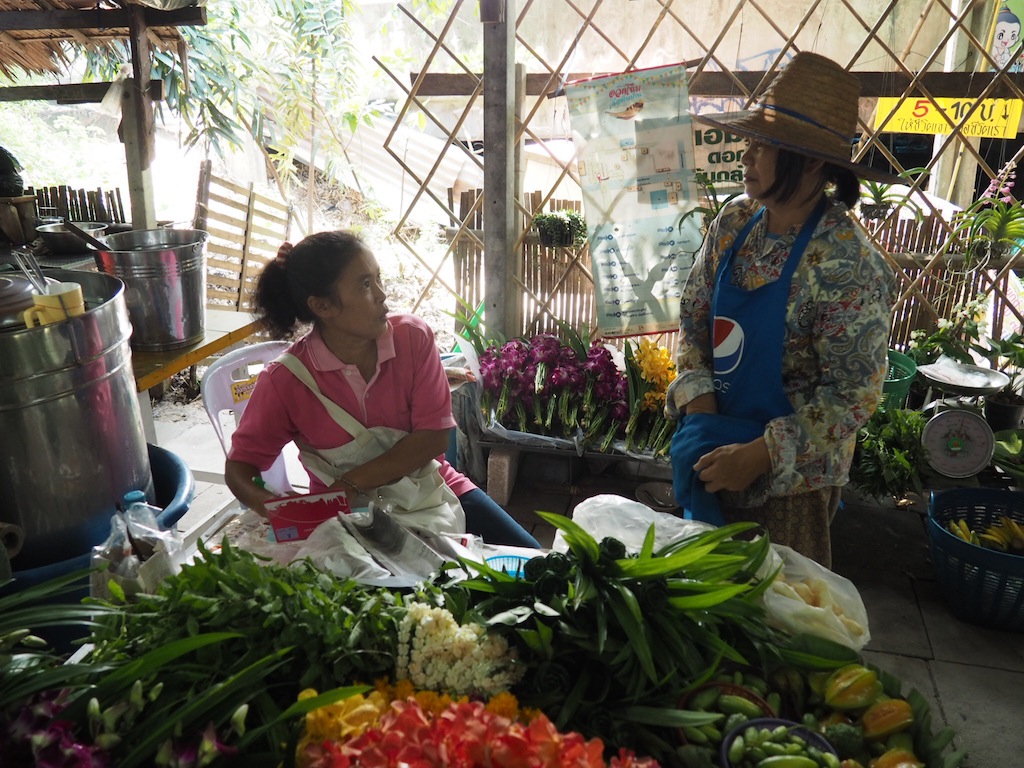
point(959, 441)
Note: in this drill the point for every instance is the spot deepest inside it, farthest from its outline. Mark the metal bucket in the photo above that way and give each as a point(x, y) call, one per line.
point(164, 272)
point(72, 438)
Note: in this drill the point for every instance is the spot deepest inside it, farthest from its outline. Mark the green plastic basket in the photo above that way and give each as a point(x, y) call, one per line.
point(980, 586)
point(898, 377)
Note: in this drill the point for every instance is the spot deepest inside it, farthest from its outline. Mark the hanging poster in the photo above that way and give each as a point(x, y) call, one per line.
point(635, 149)
point(1004, 43)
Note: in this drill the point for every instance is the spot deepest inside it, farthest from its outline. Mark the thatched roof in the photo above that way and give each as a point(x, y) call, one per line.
point(34, 33)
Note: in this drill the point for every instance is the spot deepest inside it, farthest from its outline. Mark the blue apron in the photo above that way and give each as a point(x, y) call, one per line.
point(747, 340)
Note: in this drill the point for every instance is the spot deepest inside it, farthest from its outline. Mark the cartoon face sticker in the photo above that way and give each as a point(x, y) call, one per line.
point(1006, 38)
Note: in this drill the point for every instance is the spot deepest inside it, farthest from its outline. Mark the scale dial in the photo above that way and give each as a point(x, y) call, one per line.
point(960, 443)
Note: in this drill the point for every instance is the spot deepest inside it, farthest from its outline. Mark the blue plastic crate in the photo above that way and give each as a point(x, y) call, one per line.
point(980, 586)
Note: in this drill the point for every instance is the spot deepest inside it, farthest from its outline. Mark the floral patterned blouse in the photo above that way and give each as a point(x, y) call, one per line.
point(836, 342)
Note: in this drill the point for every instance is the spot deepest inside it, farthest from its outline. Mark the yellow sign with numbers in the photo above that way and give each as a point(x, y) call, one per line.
point(993, 119)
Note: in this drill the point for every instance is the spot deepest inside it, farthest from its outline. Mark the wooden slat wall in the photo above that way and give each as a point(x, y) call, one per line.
point(557, 284)
point(930, 288)
point(246, 229)
point(466, 237)
point(87, 205)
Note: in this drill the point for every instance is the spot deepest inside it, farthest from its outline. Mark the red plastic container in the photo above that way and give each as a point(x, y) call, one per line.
point(295, 517)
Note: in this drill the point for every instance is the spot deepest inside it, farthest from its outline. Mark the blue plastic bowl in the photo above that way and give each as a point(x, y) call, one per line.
point(173, 486)
point(811, 737)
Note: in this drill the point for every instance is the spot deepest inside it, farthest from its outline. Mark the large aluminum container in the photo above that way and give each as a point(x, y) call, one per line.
point(71, 436)
point(164, 272)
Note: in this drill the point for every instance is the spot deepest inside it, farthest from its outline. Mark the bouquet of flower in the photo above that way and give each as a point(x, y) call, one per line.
point(605, 404)
point(436, 652)
point(649, 371)
point(413, 730)
point(547, 387)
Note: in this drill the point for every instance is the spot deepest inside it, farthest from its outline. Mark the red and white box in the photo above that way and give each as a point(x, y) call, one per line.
point(293, 518)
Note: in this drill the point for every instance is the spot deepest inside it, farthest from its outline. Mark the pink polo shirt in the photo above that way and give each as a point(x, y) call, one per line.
point(409, 391)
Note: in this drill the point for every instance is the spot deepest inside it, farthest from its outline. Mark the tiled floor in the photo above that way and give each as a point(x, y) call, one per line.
point(973, 677)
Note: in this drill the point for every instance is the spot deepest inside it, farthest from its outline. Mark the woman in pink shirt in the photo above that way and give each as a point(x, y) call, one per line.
point(383, 370)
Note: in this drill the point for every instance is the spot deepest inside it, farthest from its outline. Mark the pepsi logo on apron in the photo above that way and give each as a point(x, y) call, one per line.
point(728, 345)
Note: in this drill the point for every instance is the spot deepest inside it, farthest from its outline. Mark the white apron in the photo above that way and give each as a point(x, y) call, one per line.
point(421, 499)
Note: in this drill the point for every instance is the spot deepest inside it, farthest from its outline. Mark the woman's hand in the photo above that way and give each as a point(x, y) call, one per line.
point(239, 478)
point(733, 467)
point(407, 455)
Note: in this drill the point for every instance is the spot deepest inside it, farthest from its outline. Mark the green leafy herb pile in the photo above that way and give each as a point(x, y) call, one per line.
point(337, 629)
point(889, 459)
point(614, 642)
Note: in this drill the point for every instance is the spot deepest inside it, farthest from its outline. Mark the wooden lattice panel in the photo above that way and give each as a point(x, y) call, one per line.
point(914, 51)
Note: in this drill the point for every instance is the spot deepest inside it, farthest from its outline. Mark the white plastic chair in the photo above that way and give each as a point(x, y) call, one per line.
point(226, 386)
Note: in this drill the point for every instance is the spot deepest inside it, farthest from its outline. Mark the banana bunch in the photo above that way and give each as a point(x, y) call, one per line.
point(1005, 535)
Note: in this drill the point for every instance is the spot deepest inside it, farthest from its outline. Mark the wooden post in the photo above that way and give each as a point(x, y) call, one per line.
point(499, 172)
point(137, 124)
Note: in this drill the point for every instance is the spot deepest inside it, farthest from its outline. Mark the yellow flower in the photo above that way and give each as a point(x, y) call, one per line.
point(504, 704)
point(655, 363)
point(342, 720)
point(434, 702)
point(403, 690)
point(653, 401)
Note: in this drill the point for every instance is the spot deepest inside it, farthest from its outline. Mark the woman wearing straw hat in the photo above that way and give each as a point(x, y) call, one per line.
point(784, 320)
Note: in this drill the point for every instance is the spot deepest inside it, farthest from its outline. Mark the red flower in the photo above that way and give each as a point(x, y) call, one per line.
point(464, 735)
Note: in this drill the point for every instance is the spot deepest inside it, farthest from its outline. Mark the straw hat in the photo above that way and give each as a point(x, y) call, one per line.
point(809, 108)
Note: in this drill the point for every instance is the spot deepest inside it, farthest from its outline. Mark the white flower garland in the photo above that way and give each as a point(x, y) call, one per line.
point(435, 652)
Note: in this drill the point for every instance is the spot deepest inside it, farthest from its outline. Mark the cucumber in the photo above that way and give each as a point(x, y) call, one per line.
point(732, 704)
point(787, 761)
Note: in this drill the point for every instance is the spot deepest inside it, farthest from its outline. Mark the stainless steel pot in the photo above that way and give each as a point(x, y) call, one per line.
point(72, 439)
point(61, 241)
point(164, 271)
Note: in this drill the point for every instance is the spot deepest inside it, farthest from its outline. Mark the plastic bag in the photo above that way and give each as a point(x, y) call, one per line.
point(627, 520)
point(333, 548)
point(808, 597)
point(137, 554)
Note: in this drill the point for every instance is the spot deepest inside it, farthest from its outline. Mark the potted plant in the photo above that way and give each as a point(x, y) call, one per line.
point(952, 337)
point(1005, 408)
point(561, 229)
point(877, 199)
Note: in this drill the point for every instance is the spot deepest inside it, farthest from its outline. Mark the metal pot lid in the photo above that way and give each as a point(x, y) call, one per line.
point(15, 293)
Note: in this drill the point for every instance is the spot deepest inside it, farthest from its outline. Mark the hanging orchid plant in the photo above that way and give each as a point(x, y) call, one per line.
point(994, 223)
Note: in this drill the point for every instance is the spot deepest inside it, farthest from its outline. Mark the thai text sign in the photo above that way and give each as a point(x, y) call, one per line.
point(635, 160)
point(993, 118)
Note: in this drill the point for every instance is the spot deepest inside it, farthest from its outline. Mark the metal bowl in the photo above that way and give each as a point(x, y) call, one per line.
point(62, 241)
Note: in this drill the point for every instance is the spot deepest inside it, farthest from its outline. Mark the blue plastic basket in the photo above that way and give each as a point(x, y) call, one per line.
point(980, 586)
point(510, 564)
